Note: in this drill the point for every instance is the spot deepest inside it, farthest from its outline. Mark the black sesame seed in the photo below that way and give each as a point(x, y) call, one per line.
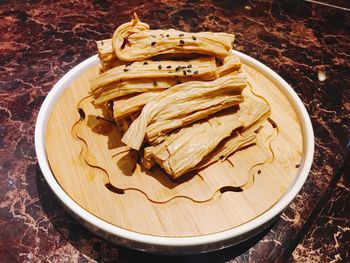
point(183, 67)
point(297, 166)
point(160, 66)
point(155, 83)
point(168, 67)
point(259, 171)
point(178, 68)
point(181, 35)
point(102, 42)
point(145, 63)
point(153, 36)
point(167, 35)
point(182, 42)
point(195, 72)
point(189, 66)
point(189, 71)
point(125, 70)
point(194, 38)
point(185, 73)
point(153, 43)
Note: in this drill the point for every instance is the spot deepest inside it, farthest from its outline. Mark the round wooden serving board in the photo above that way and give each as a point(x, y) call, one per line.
point(95, 172)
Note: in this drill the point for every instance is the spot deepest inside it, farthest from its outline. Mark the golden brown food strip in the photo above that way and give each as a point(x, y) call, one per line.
point(245, 137)
point(230, 64)
point(114, 91)
point(205, 107)
point(172, 98)
point(232, 144)
point(201, 68)
point(108, 59)
point(183, 151)
point(129, 104)
point(126, 106)
point(106, 55)
point(133, 42)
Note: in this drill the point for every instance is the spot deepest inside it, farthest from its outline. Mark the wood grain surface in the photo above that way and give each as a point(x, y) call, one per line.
point(91, 165)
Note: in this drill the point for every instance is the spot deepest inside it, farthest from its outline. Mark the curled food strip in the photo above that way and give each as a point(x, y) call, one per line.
point(123, 32)
point(123, 80)
point(106, 55)
point(183, 100)
point(133, 41)
point(141, 91)
point(179, 93)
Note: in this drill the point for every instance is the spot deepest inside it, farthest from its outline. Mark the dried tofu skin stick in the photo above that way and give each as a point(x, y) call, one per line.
point(109, 60)
point(106, 55)
point(119, 89)
point(181, 152)
point(205, 107)
point(201, 68)
point(173, 97)
point(161, 152)
point(126, 106)
point(114, 91)
point(132, 44)
point(230, 64)
point(233, 144)
point(252, 121)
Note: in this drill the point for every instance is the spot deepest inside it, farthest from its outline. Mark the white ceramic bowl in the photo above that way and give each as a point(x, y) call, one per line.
point(183, 245)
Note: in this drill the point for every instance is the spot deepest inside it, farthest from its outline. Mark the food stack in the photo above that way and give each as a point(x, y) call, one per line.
point(176, 96)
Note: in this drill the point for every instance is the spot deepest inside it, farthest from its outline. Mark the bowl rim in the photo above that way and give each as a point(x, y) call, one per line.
point(268, 215)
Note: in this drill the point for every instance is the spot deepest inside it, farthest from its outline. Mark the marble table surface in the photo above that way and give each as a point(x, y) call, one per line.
point(306, 42)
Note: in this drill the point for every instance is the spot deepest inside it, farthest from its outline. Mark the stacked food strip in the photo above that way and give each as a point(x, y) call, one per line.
point(176, 95)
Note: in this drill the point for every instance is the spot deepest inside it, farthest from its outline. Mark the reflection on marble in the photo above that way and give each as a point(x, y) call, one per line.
point(307, 44)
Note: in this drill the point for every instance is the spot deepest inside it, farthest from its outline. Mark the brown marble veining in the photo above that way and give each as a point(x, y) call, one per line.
point(306, 43)
point(328, 238)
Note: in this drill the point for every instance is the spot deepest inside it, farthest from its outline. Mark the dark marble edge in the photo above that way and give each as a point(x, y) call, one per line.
point(342, 171)
point(66, 235)
point(328, 238)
